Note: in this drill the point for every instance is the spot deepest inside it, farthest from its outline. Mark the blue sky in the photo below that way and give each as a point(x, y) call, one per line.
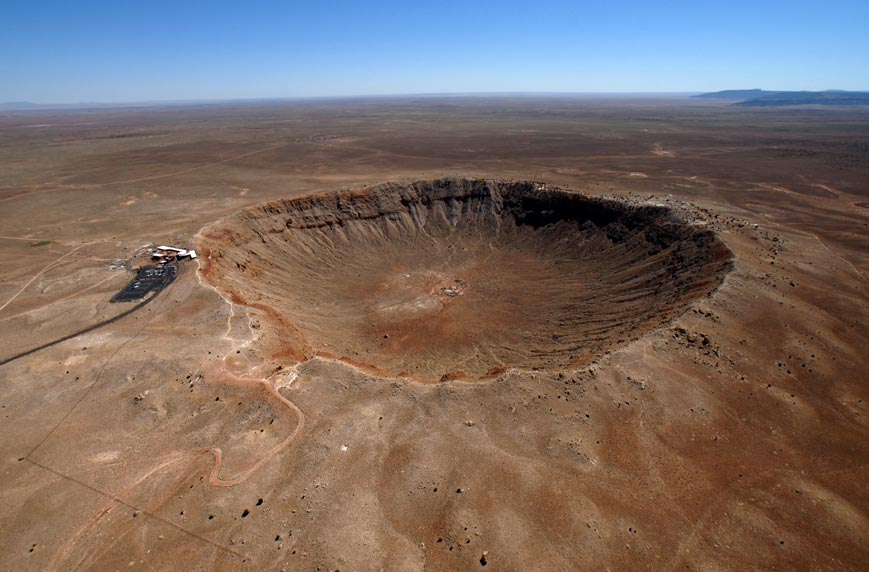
point(111, 51)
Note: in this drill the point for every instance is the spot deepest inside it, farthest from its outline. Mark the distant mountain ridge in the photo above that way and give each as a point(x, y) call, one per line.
point(764, 98)
point(738, 94)
point(4, 105)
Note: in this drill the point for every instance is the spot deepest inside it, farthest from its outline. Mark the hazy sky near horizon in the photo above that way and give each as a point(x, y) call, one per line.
point(54, 51)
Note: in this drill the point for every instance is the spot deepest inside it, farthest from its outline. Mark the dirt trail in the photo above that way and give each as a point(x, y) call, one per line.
point(217, 374)
point(46, 269)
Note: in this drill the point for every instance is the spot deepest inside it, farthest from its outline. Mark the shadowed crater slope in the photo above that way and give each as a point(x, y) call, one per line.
point(459, 278)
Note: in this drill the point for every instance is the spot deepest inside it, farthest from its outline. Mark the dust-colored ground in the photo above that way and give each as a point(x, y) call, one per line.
point(713, 424)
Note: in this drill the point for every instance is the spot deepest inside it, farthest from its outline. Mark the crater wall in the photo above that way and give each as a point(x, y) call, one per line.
point(458, 278)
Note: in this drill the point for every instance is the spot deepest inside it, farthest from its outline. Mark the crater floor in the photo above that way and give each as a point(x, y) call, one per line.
point(461, 278)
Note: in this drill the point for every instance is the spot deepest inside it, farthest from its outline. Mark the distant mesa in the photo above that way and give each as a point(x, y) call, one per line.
point(736, 94)
point(763, 98)
point(457, 278)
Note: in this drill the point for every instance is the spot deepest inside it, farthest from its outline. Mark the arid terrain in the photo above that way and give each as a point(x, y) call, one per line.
point(436, 333)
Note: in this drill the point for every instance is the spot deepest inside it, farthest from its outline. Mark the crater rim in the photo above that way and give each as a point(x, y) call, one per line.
point(288, 340)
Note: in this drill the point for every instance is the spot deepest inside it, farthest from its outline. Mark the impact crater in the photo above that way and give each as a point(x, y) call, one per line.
point(458, 278)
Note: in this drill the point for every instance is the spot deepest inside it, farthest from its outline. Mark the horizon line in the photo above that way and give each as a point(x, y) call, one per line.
point(23, 105)
point(267, 98)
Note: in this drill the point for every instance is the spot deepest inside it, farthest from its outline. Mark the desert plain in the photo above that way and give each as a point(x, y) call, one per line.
point(436, 333)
